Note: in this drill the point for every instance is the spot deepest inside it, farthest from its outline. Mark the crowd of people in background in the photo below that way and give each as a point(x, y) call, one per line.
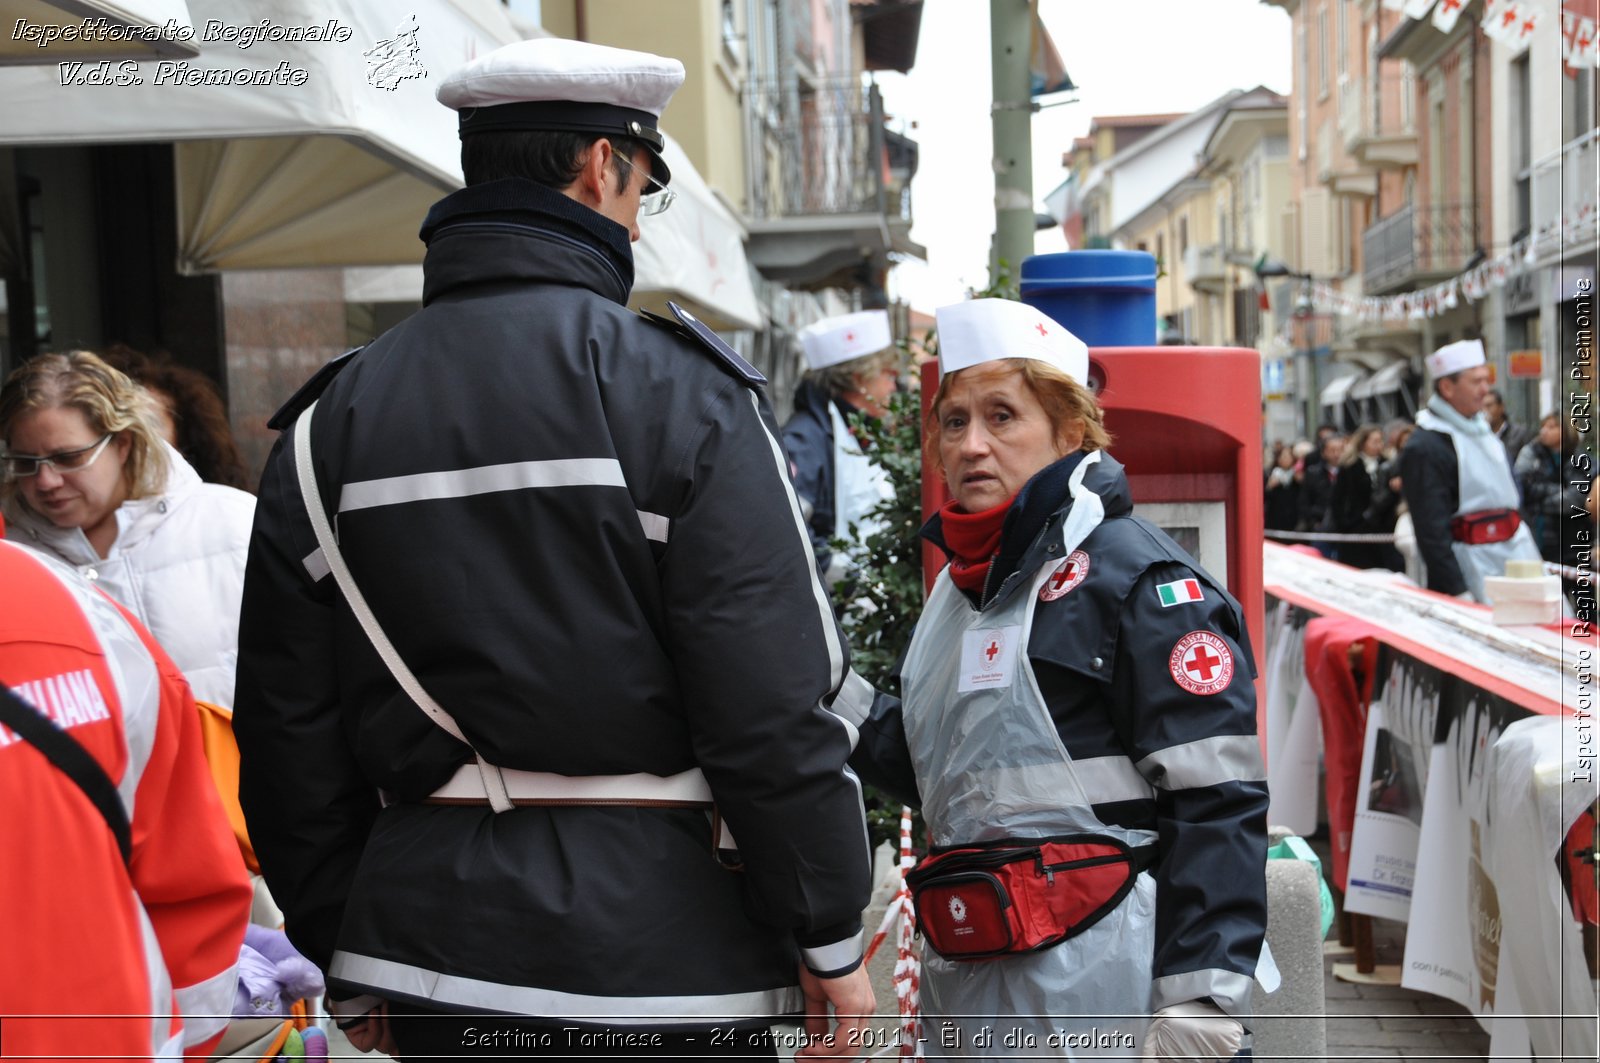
point(1348, 483)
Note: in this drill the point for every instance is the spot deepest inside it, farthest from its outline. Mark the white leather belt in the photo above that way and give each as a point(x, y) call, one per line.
point(687, 789)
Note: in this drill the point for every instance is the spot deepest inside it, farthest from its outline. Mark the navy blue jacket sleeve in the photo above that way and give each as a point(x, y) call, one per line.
point(1201, 754)
point(308, 827)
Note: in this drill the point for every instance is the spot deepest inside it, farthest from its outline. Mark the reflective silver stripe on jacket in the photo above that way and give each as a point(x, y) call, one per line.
point(1228, 989)
point(488, 479)
point(387, 976)
point(1113, 778)
point(1208, 762)
point(833, 957)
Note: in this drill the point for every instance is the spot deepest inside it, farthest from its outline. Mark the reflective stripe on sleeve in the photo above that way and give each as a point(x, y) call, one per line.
point(1208, 762)
point(655, 526)
point(316, 565)
point(1113, 778)
point(1228, 989)
point(835, 957)
point(854, 700)
point(207, 1005)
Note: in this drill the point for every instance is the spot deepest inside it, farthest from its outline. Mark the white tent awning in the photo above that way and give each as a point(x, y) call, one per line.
point(1334, 392)
point(1390, 378)
point(47, 32)
point(289, 153)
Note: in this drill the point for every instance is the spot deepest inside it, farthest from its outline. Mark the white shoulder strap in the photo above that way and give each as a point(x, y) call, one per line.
point(493, 783)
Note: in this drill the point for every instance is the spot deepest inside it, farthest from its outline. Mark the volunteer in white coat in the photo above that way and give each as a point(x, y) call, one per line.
point(1458, 482)
point(852, 368)
point(1078, 728)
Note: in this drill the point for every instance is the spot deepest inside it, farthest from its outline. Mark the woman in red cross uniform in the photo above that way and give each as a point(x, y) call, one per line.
point(1077, 684)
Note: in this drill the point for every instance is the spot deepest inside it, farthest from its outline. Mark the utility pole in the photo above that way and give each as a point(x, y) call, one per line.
point(1010, 34)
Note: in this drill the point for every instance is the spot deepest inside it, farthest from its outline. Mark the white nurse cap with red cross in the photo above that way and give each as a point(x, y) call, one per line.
point(845, 338)
point(988, 330)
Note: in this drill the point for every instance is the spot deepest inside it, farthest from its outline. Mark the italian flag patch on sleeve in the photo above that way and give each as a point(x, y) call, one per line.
point(1179, 591)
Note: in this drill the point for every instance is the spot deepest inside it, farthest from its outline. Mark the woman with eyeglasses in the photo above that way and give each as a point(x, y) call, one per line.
point(87, 479)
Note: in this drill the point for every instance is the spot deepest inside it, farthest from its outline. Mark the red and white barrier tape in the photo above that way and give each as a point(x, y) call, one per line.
point(907, 968)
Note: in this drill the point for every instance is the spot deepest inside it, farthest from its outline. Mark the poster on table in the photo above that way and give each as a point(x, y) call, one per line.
point(1542, 802)
point(1453, 941)
point(1383, 847)
point(1292, 724)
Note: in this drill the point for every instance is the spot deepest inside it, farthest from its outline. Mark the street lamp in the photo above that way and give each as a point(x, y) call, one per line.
point(1306, 375)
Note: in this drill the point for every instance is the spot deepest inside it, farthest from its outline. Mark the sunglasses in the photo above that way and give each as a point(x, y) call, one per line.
point(652, 200)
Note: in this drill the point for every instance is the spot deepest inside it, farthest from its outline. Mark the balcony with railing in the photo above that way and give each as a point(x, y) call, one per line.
point(1415, 246)
point(1557, 188)
point(1375, 119)
point(829, 184)
point(1336, 167)
point(1205, 266)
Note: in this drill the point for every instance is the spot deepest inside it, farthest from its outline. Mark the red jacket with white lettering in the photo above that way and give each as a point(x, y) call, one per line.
point(140, 958)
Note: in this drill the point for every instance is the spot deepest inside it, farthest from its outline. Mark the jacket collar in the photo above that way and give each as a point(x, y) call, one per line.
point(1041, 504)
point(522, 231)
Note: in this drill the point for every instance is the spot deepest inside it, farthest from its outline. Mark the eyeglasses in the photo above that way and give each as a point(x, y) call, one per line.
point(650, 202)
point(21, 466)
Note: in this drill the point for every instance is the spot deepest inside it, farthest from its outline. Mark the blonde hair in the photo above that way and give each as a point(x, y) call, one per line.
point(1064, 400)
point(108, 400)
point(854, 374)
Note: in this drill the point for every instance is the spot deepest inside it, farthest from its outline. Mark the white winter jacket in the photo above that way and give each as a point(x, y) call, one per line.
point(177, 563)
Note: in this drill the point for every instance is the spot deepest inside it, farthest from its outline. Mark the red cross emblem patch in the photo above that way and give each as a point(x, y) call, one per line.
point(993, 644)
point(1067, 575)
point(1201, 663)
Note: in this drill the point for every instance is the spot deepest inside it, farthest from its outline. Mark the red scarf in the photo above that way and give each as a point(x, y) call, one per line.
point(972, 539)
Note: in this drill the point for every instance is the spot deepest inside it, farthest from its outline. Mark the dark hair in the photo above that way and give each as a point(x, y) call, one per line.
point(550, 158)
point(205, 438)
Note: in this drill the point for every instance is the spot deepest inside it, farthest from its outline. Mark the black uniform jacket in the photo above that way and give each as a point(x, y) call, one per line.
point(808, 440)
point(1102, 657)
point(576, 527)
point(1430, 480)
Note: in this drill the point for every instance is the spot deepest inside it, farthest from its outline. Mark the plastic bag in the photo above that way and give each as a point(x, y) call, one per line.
point(1295, 848)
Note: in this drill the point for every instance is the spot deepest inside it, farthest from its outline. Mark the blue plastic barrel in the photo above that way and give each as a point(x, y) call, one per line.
point(1105, 298)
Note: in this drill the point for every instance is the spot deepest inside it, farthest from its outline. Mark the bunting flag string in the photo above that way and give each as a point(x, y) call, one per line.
point(1580, 224)
point(1512, 23)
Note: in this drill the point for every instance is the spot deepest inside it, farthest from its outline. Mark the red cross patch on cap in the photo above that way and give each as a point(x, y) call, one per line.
point(1067, 575)
point(1201, 663)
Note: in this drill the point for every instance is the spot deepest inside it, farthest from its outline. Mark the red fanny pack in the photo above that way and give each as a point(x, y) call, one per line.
point(1487, 526)
point(994, 900)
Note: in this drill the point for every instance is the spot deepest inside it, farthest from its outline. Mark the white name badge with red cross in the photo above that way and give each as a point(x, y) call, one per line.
point(1201, 663)
point(988, 658)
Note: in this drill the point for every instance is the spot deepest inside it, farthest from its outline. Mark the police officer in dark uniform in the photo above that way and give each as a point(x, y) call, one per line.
point(604, 644)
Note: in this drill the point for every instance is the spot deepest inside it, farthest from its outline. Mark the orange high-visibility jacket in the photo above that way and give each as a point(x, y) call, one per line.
point(114, 959)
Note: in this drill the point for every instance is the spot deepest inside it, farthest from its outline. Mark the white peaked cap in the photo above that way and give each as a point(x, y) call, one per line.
point(1454, 357)
point(988, 330)
point(840, 339)
point(556, 85)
